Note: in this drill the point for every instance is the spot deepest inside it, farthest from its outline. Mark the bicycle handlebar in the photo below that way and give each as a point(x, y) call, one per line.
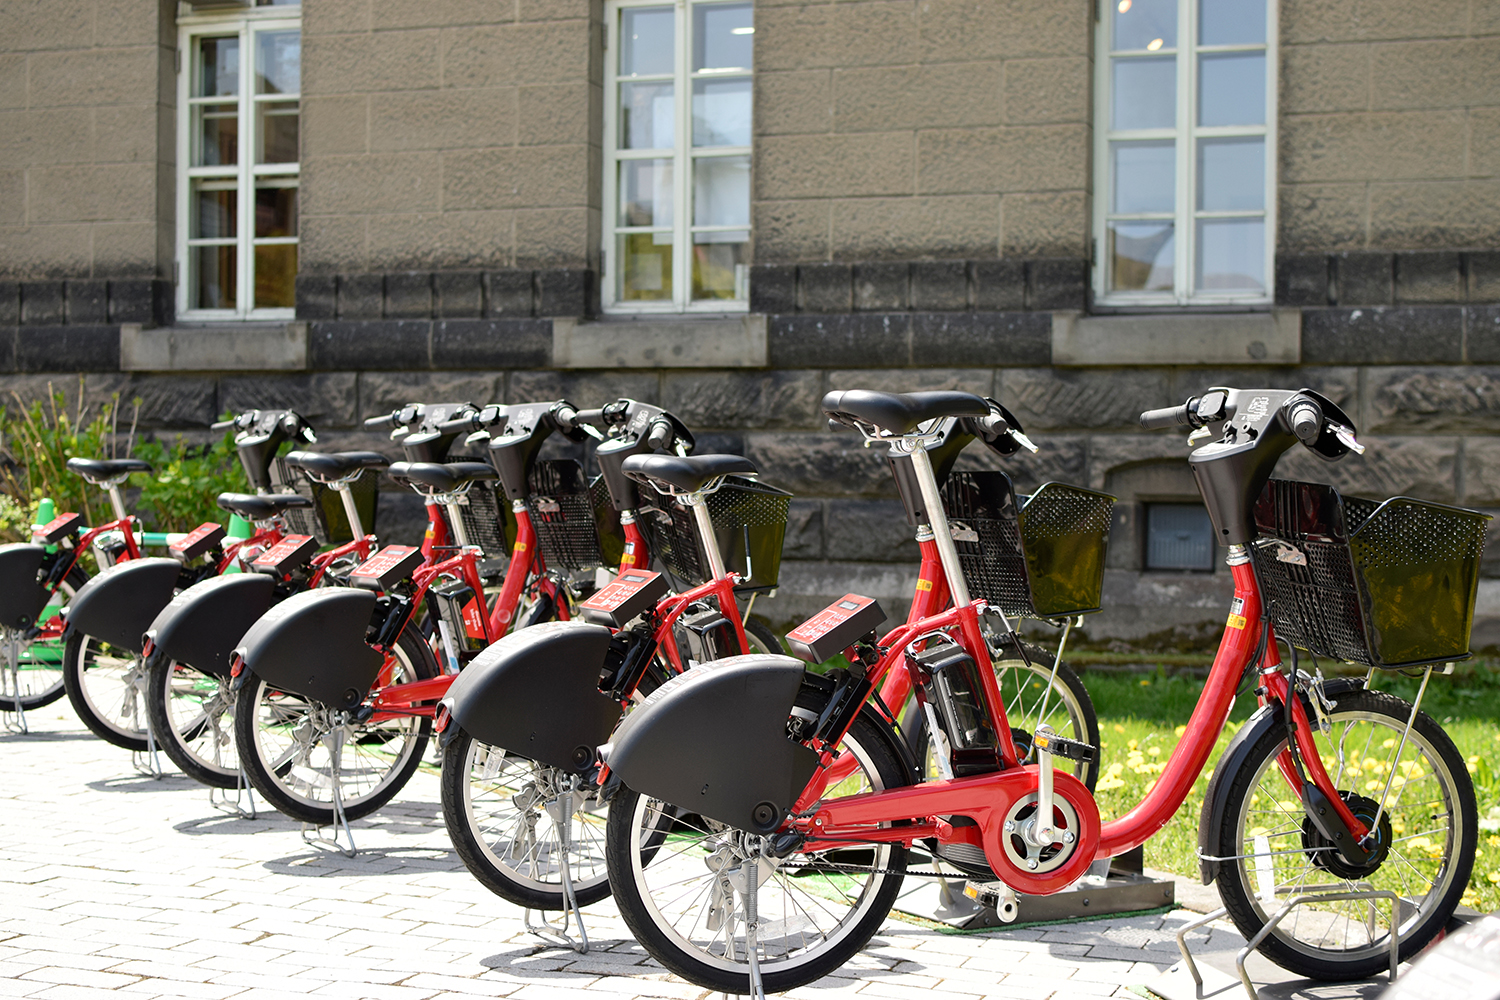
point(1306, 418)
point(384, 420)
point(221, 425)
point(1170, 416)
point(661, 434)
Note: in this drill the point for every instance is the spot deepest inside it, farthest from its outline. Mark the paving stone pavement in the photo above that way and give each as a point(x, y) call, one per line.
point(113, 884)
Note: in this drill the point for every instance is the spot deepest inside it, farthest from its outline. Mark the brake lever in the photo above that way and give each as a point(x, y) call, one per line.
point(1201, 434)
point(1024, 441)
point(592, 431)
point(1347, 439)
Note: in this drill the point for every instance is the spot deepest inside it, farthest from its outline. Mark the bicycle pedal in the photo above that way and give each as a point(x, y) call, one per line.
point(1061, 746)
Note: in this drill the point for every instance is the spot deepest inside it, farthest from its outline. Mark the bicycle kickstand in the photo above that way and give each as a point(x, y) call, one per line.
point(244, 796)
point(146, 762)
point(752, 926)
point(557, 933)
point(310, 834)
point(15, 718)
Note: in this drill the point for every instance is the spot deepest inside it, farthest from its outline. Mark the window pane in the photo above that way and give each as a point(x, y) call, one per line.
point(723, 36)
point(1232, 89)
point(214, 276)
point(1141, 256)
point(1232, 174)
point(645, 267)
point(218, 135)
point(721, 112)
point(215, 213)
point(720, 265)
point(646, 115)
point(646, 40)
point(278, 62)
point(1179, 536)
point(276, 276)
point(218, 67)
point(1140, 23)
point(1232, 22)
point(721, 191)
point(1145, 175)
point(275, 211)
point(1145, 92)
point(278, 131)
point(1231, 255)
point(646, 192)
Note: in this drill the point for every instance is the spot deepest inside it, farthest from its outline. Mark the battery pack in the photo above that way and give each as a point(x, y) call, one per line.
point(291, 553)
point(198, 541)
point(386, 568)
point(835, 628)
point(625, 597)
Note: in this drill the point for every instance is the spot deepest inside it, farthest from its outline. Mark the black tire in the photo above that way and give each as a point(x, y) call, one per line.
point(686, 946)
point(277, 765)
point(106, 687)
point(762, 639)
point(1334, 940)
point(192, 717)
point(42, 677)
point(494, 805)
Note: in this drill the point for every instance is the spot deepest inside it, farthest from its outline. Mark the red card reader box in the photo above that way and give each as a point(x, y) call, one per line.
point(57, 529)
point(387, 567)
point(198, 541)
point(835, 628)
point(290, 553)
point(626, 596)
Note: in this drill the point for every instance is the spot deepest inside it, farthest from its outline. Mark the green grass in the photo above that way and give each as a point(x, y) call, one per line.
point(1141, 717)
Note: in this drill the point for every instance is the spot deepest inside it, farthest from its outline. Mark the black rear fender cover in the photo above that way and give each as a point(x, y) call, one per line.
point(713, 741)
point(118, 605)
point(536, 693)
point(201, 625)
point(22, 597)
point(313, 644)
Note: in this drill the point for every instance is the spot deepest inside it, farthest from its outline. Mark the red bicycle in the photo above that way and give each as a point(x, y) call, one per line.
point(1331, 799)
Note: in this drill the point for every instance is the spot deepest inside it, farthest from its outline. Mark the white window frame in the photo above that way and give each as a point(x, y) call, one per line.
point(245, 22)
point(683, 154)
point(1185, 135)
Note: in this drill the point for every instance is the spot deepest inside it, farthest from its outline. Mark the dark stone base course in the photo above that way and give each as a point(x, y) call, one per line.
point(1383, 278)
point(446, 295)
point(86, 302)
point(404, 345)
point(898, 340)
point(922, 286)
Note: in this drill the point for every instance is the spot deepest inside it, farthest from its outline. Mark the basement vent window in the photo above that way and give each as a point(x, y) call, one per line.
point(1179, 536)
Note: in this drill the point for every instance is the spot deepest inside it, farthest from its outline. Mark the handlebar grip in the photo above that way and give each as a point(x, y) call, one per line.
point(595, 417)
point(1306, 418)
point(221, 425)
point(1167, 416)
point(661, 434)
point(459, 425)
point(384, 420)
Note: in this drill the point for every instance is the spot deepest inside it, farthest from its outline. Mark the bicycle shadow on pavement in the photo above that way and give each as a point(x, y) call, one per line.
point(321, 862)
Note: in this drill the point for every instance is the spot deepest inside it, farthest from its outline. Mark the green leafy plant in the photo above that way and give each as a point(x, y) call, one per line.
point(179, 494)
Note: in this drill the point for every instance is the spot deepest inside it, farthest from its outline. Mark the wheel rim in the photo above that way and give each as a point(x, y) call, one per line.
point(200, 715)
point(801, 917)
point(291, 745)
point(511, 807)
point(1426, 821)
point(40, 664)
point(111, 684)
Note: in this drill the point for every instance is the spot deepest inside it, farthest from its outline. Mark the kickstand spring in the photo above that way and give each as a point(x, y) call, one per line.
point(148, 761)
point(15, 717)
point(311, 832)
point(752, 926)
point(557, 933)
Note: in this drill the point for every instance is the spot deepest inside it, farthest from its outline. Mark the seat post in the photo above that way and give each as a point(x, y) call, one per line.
point(116, 501)
point(456, 519)
point(350, 510)
point(943, 535)
point(699, 503)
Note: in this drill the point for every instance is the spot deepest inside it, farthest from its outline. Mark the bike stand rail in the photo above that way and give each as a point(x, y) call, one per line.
point(557, 933)
point(14, 720)
point(243, 803)
point(1270, 925)
point(311, 832)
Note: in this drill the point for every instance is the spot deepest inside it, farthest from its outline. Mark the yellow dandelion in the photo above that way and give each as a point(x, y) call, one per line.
point(1154, 751)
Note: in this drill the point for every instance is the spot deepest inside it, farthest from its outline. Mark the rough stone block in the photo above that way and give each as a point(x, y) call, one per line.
point(981, 338)
point(875, 340)
point(1484, 275)
point(172, 401)
point(408, 295)
point(1423, 467)
point(1383, 335)
point(1302, 279)
point(88, 301)
point(1364, 277)
point(140, 300)
point(42, 302)
point(383, 392)
point(1434, 400)
point(1483, 334)
point(999, 285)
point(507, 293)
point(1059, 283)
point(1340, 383)
point(773, 288)
point(492, 343)
point(792, 230)
point(1481, 467)
point(364, 344)
point(870, 531)
point(940, 285)
point(804, 529)
point(979, 381)
point(882, 287)
point(825, 288)
point(8, 338)
point(587, 389)
point(1062, 459)
point(1430, 276)
point(459, 294)
point(326, 399)
point(10, 303)
point(361, 296)
point(1057, 399)
point(821, 464)
point(947, 226)
point(317, 296)
point(68, 349)
point(776, 400)
point(564, 292)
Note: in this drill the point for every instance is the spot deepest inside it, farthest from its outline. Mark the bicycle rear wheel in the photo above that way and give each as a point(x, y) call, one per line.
point(106, 686)
point(39, 674)
point(192, 717)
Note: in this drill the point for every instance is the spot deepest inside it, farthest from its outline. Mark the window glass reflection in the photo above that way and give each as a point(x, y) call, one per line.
point(1143, 24)
point(1232, 174)
point(215, 213)
point(215, 277)
point(721, 191)
point(646, 40)
point(1232, 22)
point(1145, 92)
point(645, 267)
point(279, 124)
point(275, 211)
point(647, 111)
point(1145, 176)
point(1232, 89)
point(218, 67)
point(720, 265)
point(218, 135)
point(723, 36)
point(278, 62)
point(1141, 256)
point(1231, 255)
point(276, 276)
point(646, 192)
point(721, 112)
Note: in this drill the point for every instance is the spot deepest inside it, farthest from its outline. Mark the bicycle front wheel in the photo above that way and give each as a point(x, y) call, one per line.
point(683, 894)
point(1428, 830)
point(297, 751)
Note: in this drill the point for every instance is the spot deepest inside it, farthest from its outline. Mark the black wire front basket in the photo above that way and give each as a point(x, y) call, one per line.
point(562, 503)
point(1381, 584)
point(749, 521)
point(1040, 556)
point(326, 520)
point(483, 522)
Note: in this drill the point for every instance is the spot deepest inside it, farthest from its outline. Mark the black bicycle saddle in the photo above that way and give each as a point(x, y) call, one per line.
point(442, 477)
point(102, 470)
point(261, 506)
point(687, 474)
point(327, 467)
point(900, 412)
